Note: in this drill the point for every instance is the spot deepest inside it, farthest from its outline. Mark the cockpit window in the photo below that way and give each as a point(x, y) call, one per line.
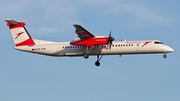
point(158, 43)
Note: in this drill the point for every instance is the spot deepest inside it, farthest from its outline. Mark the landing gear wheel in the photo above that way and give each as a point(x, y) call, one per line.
point(86, 56)
point(164, 56)
point(97, 63)
point(87, 52)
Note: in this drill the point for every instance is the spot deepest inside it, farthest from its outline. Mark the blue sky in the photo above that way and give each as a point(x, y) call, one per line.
point(32, 77)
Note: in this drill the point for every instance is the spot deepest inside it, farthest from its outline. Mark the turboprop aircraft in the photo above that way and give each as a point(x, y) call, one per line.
point(86, 44)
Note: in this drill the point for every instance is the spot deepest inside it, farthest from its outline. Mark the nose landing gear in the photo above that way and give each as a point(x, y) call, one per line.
point(164, 56)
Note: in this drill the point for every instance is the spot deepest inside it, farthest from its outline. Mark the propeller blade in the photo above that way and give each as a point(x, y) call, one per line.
point(110, 34)
point(110, 39)
point(109, 46)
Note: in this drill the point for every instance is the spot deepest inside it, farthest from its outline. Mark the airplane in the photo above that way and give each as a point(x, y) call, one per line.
point(86, 44)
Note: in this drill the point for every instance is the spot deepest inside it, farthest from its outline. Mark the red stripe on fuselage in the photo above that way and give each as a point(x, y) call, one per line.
point(26, 42)
point(146, 43)
point(91, 42)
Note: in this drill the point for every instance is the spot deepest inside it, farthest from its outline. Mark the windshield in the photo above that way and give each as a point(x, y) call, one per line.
point(158, 43)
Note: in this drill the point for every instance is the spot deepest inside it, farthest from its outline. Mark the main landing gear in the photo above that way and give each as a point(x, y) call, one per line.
point(86, 56)
point(97, 63)
point(88, 49)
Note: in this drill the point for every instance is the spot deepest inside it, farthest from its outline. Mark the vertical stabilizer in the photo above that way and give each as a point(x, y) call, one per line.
point(19, 33)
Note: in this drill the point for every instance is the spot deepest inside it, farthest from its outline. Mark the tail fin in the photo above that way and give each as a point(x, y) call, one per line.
point(19, 33)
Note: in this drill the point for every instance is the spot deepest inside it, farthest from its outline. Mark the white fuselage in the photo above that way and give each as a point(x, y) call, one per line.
point(118, 48)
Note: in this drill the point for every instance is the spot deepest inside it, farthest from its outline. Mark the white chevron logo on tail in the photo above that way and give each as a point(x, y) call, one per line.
point(18, 34)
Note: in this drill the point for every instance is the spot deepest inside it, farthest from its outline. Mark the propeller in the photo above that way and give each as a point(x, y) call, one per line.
point(110, 39)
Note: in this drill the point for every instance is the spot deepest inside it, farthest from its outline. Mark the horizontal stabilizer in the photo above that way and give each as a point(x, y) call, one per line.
point(12, 22)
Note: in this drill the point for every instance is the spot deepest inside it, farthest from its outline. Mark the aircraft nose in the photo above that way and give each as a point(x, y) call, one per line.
point(169, 49)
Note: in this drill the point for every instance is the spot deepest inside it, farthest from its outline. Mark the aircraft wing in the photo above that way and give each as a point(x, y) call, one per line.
point(82, 33)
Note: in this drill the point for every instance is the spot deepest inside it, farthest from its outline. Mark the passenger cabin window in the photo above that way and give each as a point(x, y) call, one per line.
point(158, 43)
